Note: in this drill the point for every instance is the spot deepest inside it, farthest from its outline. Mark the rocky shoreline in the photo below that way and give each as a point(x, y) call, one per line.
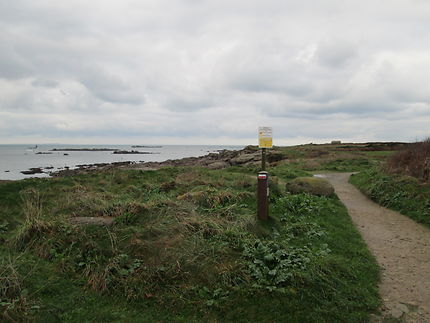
point(250, 156)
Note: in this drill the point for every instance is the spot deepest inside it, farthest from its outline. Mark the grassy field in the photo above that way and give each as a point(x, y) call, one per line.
point(184, 246)
point(402, 193)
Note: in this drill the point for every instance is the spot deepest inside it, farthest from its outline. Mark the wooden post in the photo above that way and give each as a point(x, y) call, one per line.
point(263, 159)
point(262, 196)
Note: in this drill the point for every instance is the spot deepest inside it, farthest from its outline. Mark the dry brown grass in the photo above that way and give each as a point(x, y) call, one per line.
point(413, 161)
point(11, 287)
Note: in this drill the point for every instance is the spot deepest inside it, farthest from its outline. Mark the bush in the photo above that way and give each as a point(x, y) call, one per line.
point(413, 161)
point(312, 185)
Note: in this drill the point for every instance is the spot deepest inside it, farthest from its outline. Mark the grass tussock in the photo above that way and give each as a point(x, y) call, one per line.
point(412, 161)
point(13, 303)
point(35, 225)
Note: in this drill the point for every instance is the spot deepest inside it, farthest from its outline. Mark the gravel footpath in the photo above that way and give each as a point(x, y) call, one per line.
point(401, 248)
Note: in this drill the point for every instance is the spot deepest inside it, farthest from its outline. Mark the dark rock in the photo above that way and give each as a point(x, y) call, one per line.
point(251, 149)
point(218, 165)
point(274, 156)
point(32, 171)
point(244, 158)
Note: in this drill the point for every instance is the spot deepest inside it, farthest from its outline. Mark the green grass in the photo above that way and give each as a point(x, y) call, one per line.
point(347, 165)
point(381, 153)
point(400, 193)
point(185, 246)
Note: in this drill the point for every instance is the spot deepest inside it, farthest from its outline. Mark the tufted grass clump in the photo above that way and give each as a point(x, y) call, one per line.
point(35, 225)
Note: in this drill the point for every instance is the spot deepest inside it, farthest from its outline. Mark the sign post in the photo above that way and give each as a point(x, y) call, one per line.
point(264, 142)
point(262, 196)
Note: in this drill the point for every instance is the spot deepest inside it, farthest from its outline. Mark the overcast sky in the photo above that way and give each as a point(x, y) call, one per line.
point(212, 71)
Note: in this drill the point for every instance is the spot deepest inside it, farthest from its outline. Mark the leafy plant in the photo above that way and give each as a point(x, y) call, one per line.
point(4, 226)
point(213, 297)
point(299, 205)
point(272, 265)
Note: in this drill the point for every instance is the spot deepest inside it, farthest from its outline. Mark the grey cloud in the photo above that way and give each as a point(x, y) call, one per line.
point(111, 88)
point(336, 54)
point(44, 83)
point(212, 69)
point(12, 66)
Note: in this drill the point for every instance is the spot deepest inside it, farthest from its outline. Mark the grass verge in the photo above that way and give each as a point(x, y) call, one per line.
point(402, 193)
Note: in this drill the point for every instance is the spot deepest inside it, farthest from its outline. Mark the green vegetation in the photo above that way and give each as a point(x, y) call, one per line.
point(185, 245)
point(402, 182)
point(333, 158)
point(402, 193)
point(312, 185)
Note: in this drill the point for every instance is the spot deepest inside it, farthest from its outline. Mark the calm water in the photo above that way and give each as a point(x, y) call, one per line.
point(16, 158)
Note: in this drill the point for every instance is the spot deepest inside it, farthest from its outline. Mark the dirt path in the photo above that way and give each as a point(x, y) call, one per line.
point(401, 247)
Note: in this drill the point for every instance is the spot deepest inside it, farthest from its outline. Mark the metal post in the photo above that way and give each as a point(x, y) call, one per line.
point(263, 159)
point(262, 196)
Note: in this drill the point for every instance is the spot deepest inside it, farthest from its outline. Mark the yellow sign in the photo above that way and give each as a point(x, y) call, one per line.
point(265, 137)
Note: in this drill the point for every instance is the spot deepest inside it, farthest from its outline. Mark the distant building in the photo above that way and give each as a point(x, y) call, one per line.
point(336, 142)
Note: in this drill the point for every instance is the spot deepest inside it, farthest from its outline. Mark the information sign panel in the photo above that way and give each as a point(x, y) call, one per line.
point(265, 137)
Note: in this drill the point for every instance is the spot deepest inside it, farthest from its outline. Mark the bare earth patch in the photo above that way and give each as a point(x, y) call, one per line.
point(402, 249)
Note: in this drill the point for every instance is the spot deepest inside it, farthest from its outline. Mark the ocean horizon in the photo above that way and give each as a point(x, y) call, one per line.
point(15, 158)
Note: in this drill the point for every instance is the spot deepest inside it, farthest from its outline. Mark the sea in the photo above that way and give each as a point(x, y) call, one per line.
point(17, 158)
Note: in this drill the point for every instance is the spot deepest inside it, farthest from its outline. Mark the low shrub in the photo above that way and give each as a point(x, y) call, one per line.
point(413, 161)
point(311, 185)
